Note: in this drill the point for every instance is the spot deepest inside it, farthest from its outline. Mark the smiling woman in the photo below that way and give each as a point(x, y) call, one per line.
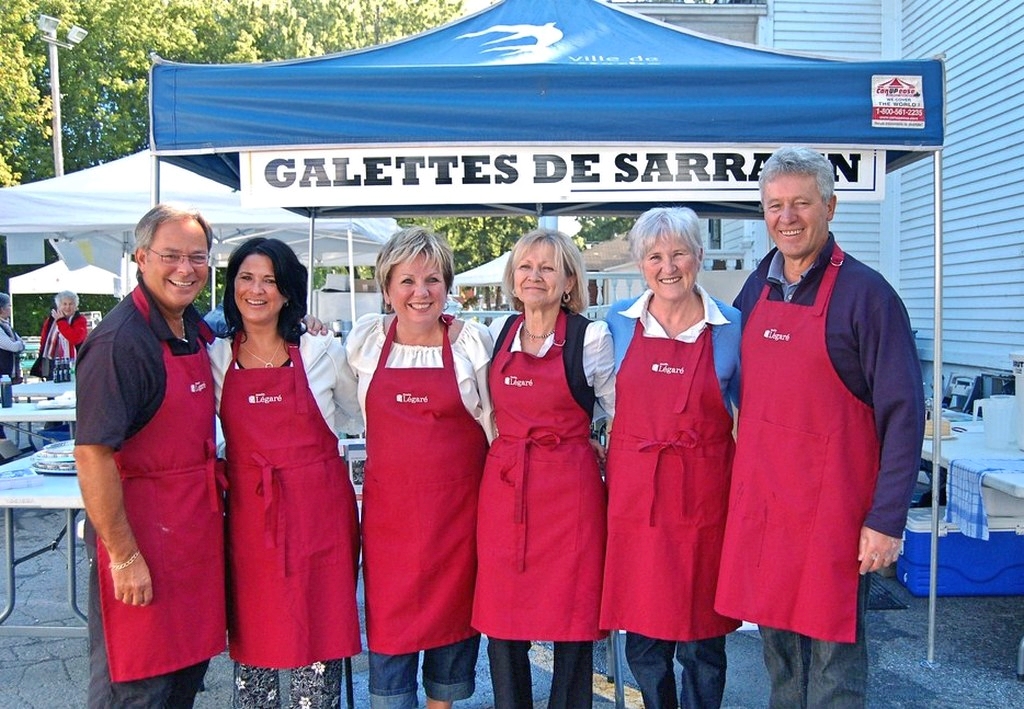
point(267, 379)
point(424, 374)
point(669, 462)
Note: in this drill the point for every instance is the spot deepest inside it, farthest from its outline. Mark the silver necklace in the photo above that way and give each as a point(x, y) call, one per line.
point(267, 363)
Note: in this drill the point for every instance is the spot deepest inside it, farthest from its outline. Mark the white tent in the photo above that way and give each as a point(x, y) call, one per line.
point(89, 215)
point(486, 274)
point(56, 277)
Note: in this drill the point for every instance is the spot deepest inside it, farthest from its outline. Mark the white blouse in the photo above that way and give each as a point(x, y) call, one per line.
point(652, 328)
point(330, 379)
point(598, 359)
point(471, 352)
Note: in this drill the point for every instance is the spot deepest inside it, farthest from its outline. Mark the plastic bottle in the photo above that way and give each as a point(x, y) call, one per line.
point(6, 392)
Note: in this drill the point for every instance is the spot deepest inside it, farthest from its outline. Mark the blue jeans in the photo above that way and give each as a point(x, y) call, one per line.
point(702, 682)
point(449, 674)
point(805, 672)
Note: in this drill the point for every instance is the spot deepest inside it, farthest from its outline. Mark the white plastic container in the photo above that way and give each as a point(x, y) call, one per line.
point(1018, 376)
point(999, 413)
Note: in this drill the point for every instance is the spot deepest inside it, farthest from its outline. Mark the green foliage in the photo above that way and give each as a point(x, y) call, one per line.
point(594, 229)
point(477, 240)
point(104, 80)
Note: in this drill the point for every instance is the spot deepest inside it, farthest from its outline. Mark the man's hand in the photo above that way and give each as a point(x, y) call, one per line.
point(877, 550)
point(133, 585)
point(314, 326)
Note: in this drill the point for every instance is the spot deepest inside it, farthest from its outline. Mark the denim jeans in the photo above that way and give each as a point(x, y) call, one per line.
point(807, 673)
point(702, 682)
point(572, 677)
point(449, 674)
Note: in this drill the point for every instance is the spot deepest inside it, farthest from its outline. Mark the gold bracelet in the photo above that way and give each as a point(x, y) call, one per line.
point(126, 563)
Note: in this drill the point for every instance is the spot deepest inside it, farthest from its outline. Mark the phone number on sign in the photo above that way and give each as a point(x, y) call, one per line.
point(899, 112)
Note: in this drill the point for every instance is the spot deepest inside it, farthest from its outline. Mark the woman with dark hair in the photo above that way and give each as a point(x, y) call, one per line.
point(292, 524)
point(541, 529)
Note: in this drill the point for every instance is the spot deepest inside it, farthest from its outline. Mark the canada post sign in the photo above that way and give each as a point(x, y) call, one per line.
point(470, 174)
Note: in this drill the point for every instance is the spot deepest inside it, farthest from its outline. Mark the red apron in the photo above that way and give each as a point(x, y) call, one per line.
point(668, 491)
point(173, 502)
point(293, 530)
point(541, 528)
point(803, 479)
point(424, 458)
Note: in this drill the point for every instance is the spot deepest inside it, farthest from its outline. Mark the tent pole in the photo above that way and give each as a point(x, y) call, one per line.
point(126, 264)
point(154, 193)
point(936, 407)
point(351, 276)
point(309, 276)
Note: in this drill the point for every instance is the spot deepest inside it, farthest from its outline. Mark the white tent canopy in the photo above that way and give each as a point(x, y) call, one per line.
point(56, 277)
point(486, 274)
point(89, 216)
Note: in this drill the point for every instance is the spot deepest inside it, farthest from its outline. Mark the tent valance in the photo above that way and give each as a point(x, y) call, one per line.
point(529, 72)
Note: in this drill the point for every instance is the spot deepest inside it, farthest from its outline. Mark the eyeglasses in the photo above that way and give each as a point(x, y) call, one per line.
point(177, 259)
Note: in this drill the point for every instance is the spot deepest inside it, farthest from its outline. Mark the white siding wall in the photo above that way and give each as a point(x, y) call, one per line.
point(983, 184)
point(852, 29)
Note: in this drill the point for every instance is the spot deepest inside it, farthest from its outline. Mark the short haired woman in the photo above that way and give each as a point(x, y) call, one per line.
point(64, 330)
point(423, 387)
point(669, 464)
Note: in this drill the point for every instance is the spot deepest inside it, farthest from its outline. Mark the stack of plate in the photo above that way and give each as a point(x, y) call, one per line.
point(55, 459)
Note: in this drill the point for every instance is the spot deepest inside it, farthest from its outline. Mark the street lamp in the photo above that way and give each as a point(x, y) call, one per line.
point(48, 28)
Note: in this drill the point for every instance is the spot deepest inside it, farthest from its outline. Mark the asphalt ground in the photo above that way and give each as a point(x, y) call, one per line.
point(975, 650)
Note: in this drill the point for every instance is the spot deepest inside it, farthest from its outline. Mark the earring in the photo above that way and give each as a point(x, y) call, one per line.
point(566, 297)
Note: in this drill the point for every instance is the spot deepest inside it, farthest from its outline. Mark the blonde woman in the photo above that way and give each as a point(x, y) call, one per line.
point(542, 503)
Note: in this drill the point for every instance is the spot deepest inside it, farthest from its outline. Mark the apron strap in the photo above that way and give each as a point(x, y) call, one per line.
point(519, 481)
point(265, 489)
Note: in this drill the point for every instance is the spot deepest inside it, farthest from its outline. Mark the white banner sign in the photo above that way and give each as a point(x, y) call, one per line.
point(407, 175)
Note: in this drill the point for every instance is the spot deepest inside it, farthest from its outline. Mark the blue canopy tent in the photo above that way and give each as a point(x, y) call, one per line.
point(528, 72)
point(611, 111)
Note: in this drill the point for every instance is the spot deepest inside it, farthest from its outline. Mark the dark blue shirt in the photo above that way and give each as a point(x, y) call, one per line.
point(120, 375)
point(872, 349)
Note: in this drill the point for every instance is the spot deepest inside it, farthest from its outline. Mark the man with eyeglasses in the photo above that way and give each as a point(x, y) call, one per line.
point(146, 466)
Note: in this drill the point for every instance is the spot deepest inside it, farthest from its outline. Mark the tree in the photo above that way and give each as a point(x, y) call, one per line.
point(594, 229)
point(105, 79)
point(23, 113)
point(477, 240)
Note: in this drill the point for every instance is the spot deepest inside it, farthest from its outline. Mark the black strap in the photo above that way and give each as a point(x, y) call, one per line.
point(572, 358)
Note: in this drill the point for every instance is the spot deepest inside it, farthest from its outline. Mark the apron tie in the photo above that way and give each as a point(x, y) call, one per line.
point(265, 489)
point(680, 442)
point(544, 439)
point(216, 478)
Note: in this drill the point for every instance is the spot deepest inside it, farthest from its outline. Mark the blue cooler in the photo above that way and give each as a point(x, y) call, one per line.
point(966, 566)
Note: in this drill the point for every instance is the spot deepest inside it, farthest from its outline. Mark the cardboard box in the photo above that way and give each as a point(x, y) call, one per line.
point(966, 566)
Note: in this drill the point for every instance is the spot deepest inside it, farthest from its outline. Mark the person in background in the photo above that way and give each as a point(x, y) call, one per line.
point(292, 522)
point(146, 458)
point(11, 345)
point(541, 529)
point(829, 443)
point(64, 329)
point(669, 462)
point(422, 379)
